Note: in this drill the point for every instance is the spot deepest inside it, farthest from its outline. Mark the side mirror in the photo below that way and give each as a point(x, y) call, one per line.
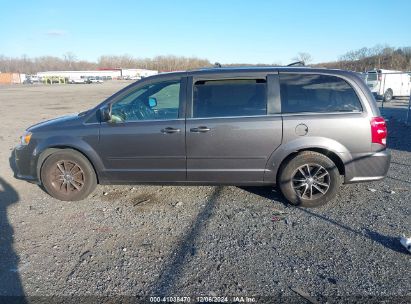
point(105, 113)
point(152, 102)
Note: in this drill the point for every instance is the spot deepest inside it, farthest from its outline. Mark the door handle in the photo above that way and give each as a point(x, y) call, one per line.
point(170, 130)
point(201, 129)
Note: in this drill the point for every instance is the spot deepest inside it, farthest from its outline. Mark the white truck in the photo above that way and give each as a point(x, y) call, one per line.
point(387, 84)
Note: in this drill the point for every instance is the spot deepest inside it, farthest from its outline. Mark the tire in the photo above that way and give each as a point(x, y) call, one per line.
point(324, 183)
point(388, 96)
point(68, 175)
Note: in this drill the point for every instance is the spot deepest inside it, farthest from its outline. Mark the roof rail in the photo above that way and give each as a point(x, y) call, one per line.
point(297, 63)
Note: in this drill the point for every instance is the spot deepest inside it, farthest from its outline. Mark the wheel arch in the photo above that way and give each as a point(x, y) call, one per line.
point(330, 154)
point(334, 150)
point(51, 150)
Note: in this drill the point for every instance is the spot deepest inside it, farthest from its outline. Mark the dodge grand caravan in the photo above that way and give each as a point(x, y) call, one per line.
point(305, 130)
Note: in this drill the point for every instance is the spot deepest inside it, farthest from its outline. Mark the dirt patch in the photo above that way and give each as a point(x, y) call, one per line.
point(144, 199)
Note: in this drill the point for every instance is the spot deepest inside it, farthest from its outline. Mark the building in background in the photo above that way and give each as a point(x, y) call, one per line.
point(10, 78)
point(100, 74)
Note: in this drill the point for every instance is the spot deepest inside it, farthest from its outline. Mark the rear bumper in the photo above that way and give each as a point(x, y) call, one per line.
point(366, 167)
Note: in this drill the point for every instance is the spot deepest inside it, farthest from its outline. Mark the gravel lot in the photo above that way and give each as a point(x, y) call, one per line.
point(197, 241)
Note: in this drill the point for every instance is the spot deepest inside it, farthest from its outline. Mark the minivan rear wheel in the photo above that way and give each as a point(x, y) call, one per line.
point(68, 175)
point(309, 179)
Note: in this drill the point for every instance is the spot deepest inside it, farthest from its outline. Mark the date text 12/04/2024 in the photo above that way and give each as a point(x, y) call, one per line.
point(202, 299)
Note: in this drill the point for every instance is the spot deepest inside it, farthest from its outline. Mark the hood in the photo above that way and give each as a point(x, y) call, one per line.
point(55, 122)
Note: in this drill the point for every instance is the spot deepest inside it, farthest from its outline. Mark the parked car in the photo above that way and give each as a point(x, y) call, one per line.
point(302, 129)
point(387, 84)
point(28, 81)
point(93, 80)
point(77, 81)
point(34, 78)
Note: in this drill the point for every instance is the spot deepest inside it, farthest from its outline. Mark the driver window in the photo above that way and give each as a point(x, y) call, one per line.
point(156, 101)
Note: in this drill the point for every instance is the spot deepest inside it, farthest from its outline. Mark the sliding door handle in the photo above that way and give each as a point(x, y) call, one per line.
point(201, 129)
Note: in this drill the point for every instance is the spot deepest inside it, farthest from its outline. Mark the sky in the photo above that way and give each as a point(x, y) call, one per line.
point(225, 31)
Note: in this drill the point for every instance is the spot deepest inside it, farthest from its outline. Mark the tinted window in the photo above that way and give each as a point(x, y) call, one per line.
point(317, 93)
point(155, 101)
point(222, 98)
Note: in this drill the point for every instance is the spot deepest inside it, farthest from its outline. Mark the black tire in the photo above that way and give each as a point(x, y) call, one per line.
point(293, 181)
point(388, 96)
point(68, 175)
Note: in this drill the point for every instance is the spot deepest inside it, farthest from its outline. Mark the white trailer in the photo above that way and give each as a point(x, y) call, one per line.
point(137, 73)
point(388, 84)
point(73, 75)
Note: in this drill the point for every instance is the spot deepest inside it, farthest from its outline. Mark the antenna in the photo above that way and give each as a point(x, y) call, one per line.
point(297, 63)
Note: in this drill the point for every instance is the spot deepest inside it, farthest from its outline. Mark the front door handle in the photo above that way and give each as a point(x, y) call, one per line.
point(201, 129)
point(170, 130)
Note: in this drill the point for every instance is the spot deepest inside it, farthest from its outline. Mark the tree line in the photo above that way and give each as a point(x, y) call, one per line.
point(69, 62)
point(379, 57)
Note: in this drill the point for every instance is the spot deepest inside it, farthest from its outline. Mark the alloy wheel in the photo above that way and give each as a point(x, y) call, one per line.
point(311, 181)
point(67, 177)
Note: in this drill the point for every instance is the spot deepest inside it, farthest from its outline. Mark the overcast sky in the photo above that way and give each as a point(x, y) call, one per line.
point(225, 31)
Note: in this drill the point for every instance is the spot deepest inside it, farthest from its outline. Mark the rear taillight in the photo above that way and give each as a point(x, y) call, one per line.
point(379, 77)
point(378, 131)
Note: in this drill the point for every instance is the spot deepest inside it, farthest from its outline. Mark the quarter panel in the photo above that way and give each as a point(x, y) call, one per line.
point(351, 131)
point(342, 134)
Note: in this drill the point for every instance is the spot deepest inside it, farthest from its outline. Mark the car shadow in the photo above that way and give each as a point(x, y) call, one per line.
point(164, 285)
point(11, 288)
point(390, 242)
point(269, 192)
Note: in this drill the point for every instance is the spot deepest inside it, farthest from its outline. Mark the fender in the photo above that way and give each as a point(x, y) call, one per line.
point(305, 143)
point(65, 141)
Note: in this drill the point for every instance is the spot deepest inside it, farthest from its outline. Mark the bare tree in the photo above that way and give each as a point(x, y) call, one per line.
point(304, 57)
point(381, 56)
point(70, 60)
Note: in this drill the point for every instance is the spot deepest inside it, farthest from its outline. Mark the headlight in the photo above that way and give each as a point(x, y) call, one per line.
point(25, 138)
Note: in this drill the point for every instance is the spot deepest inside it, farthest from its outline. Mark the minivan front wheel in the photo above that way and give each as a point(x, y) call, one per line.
point(68, 175)
point(309, 179)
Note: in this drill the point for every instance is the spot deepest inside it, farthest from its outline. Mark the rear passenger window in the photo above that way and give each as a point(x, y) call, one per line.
point(317, 93)
point(222, 98)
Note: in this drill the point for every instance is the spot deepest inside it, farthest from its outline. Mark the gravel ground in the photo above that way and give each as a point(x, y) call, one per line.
point(198, 241)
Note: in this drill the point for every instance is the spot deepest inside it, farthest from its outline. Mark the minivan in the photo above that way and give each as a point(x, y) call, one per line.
point(303, 129)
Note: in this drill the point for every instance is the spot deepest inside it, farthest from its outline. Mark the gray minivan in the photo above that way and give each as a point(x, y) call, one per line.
point(303, 129)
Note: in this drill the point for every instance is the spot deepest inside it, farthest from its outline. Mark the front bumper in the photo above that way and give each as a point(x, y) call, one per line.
point(23, 165)
point(368, 166)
